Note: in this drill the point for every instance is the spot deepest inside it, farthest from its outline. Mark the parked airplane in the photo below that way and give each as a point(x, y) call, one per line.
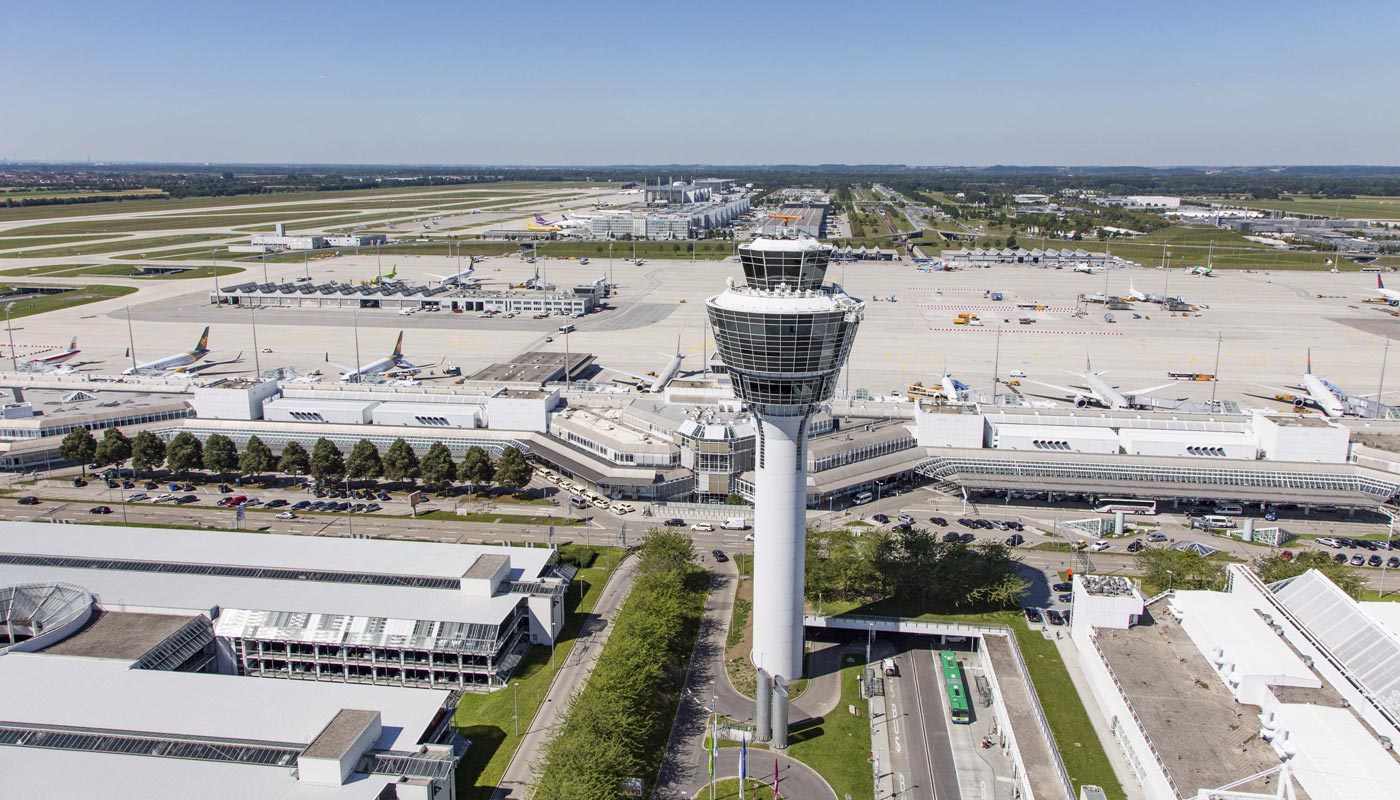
point(460, 278)
point(1391, 296)
point(392, 364)
point(1100, 393)
point(658, 382)
point(1087, 268)
point(58, 357)
point(1205, 272)
point(1320, 394)
point(181, 362)
point(1148, 297)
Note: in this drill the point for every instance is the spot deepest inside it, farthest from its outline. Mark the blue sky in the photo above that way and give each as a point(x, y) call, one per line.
point(540, 82)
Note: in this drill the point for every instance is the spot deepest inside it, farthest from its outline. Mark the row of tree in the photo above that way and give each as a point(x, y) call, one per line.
point(325, 462)
point(914, 567)
point(1164, 568)
point(617, 725)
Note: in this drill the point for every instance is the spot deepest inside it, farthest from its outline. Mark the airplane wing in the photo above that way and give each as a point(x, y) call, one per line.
point(341, 367)
point(1065, 389)
point(633, 375)
point(1151, 389)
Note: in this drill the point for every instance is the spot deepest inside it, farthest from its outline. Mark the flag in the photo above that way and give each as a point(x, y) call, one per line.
point(775, 779)
point(743, 764)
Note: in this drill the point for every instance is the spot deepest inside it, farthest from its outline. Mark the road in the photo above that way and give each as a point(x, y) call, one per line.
point(921, 750)
point(521, 772)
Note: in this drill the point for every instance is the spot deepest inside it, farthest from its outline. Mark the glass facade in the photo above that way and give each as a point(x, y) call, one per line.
point(783, 359)
point(798, 269)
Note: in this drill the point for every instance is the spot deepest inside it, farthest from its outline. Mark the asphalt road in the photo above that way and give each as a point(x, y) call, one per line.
point(919, 711)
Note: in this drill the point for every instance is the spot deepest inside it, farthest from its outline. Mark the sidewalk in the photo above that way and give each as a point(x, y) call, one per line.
point(1132, 789)
point(880, 748)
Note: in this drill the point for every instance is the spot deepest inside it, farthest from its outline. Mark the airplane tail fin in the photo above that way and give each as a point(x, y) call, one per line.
point(1309, 360)
point(203, 345)
point(73, 345)
point(398, 347)
point(1380, 284)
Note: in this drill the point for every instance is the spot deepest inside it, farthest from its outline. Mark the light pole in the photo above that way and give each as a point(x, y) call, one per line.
point(214, 267)
point(1171, 579)
point(264, 262)
point(378, 263)
point(14, 361)
point(130, 340)
point(257, 363)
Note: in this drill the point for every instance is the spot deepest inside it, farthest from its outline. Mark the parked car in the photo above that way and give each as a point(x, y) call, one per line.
point(100, 510)
point(186, 499)
point(79, 483)
point(138, 497)
point(674, 522)
point(719, 556)
point(1033, 616)
point(881, 518)
point(150, 486)
point(29, 500)
point(702, 527)
point(906, 519)
point(1358, 560)
point(1015, 539)
point(1066, 598)
point(1393, 562)
point(968, 538)
point(287, 515)
point(1286, 555)
point(952, 536)
point(275, 503)
point(1374, 561)
point(301, 504)
point(1135, 545)
point(1340, 558)
point(1100, 546)
point(1054, 617)
point(128, 485)
point(1062, 587)
point(371, 507)
point(1156, 537)
point(939, 521)
point(113, 485)
point(164, 497)
point(383, 497)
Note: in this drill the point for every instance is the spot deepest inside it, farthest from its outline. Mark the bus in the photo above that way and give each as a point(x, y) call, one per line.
point(957, 692)
point(1108, 505)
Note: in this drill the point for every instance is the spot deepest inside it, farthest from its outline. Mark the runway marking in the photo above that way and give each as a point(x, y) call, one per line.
point(1042, 331)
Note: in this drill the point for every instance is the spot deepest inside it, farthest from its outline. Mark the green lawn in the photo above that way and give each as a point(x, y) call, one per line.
point(28, 243)
point(1191, 245)
point(47, 269)
point(1392, 593)
point(134, 244)
point(1364, 207)
point(838, 745)
point(68, 299)
point(489, 719)
point(119, 270)
point(728, 789)
point(214, 219)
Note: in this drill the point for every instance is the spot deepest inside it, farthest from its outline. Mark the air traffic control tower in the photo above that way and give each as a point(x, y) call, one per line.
point(784, 335)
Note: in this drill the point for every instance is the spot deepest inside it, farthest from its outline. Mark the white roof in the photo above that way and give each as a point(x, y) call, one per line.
point(131, 589)
point(803, 244)
point(1230, 621)
point(775, 302)
point(1386, 613)
point(1056, 432)
point(1338, 758)
point(106, 693)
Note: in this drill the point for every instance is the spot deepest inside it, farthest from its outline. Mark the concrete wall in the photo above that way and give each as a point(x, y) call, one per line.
point(1292, 442)
point(233, 402)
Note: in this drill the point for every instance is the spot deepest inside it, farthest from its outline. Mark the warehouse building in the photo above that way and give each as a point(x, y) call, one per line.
point(378, 612)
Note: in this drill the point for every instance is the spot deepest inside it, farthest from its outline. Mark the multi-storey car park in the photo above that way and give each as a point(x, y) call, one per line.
point(306, 608)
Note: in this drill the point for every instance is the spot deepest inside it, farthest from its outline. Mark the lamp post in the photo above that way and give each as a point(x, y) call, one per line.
point(1171, 580)
point(14, 361)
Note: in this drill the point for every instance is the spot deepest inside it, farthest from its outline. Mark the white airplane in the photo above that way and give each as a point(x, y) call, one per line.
point(1088, 269)
point(1321, 395)
point(1205, 272)
point(394, 364)
point(1100, 393)
point(181, 362)
point(56, 358)
point(662, 379)
point(1391, 296)
point(461, 278)
point(1135, 294)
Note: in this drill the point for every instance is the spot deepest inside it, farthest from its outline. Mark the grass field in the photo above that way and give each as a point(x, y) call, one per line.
point(434, 193)
point(48, 269)
point(46, 194)
point(1365, 207)
point(728, 789)
point(123, 245)
point(838, 745)
point(489, 719)
point(68, 299)
point(1191, 245)
point(28, 243)
point(211, 220)
point(115, 270)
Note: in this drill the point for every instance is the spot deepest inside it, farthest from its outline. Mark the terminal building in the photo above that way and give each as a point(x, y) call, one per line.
point(680, 221)
point(397, 295)
point(1284, 686)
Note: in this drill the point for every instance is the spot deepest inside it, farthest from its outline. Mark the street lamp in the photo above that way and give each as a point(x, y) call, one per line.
point(1171, 578)
point(14, 362)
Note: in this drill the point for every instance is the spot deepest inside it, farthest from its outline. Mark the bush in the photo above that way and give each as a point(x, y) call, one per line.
point(578, 555)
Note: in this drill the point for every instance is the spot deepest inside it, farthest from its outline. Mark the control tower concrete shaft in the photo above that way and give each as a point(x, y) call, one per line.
point(784, 335)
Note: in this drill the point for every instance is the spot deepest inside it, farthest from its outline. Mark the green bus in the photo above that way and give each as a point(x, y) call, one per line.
point(957, 693)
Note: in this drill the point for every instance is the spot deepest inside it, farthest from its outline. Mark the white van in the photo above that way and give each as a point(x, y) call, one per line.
point(1018, 373)
point(1229, 509)
point(1217, 521)
point(734, 524)
point(863, 498)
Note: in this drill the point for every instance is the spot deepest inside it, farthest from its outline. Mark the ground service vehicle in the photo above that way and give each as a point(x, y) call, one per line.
point(957, 692)
point(888, 667)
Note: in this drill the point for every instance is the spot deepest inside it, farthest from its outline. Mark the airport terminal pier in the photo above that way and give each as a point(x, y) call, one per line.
point(784, 335)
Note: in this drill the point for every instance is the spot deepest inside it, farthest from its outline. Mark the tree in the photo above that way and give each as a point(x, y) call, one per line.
point(147, 451)
point(476, 467)
point(184, 453)
point(663, 550)
point(400, 462)
point(220, 455)
point(437, 466)
point(114, 447)
point(1165, 568)
point(364, 461)
point(78, 447)
point(256, 458)
point(295, 460)
point(327, 462)
point(1348, 579)
point(512, 470)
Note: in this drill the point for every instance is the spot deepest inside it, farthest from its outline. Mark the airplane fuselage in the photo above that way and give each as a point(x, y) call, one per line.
point(1323, 396)
point(1107, 396)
